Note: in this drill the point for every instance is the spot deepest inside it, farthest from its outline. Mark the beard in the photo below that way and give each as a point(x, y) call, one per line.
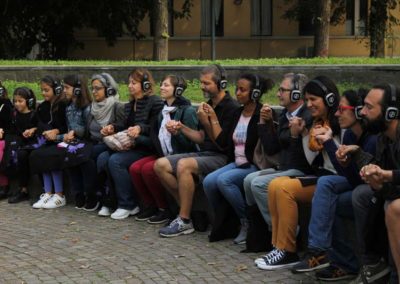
point(375, 126)
point(208, 95)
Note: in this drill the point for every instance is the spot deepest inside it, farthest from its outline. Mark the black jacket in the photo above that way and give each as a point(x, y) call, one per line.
point(252, 134)
point(291, 149)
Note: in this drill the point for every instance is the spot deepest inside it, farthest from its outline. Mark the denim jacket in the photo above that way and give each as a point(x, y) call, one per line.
point(76, 120)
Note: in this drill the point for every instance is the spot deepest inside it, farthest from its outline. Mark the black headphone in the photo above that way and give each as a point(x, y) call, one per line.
point(295, 93)
point(146, 85)
point(2, 91)
point(222, 83)
point(329, 97)
point(392, 112)
point(256, 92)
point(57, 86)
point(179, 88)
point(77, 91)
point(110, 91)
point(30, 98)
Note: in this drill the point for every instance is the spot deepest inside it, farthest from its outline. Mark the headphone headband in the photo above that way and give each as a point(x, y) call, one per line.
point(146, 85)
point(222, 82)
point(392, 112)
point(256, 92)
point(110, 91)
point(295, 94)
point(329, 97)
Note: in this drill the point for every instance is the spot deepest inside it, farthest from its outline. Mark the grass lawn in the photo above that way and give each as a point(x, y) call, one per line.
point(193, 91)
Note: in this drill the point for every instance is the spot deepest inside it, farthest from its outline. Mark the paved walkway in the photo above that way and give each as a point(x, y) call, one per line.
point(72, 246)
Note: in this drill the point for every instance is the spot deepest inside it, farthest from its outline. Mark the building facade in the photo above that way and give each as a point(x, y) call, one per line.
point(244, 29)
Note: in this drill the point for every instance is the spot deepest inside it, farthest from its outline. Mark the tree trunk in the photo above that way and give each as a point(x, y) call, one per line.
point(322, 23)
point(377, 27)
point(160, 42)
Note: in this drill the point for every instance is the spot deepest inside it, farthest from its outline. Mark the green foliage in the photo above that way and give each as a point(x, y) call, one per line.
point(226, 62)
point(51, 24)
point(192, 92)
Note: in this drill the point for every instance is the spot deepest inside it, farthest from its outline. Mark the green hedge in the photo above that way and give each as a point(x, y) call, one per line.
point(253, 62)
point(193, 91)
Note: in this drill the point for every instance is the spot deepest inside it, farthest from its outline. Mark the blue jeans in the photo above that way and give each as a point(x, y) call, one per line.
point(323, 210)
point(227, 182)
point(256, 189)
point(342, 252)
point(117, 164)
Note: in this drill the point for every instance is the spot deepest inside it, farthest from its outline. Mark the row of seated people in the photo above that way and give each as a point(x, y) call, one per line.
point(338, 153)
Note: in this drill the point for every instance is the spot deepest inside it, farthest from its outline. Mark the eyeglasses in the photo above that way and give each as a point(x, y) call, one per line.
point(96, 89)
point(341, 108)
point(283, 90)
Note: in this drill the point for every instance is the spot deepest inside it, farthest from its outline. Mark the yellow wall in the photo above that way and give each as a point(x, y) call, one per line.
point(237, 41)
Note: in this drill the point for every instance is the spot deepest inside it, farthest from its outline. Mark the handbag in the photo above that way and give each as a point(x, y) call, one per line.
point(262, 160)
point(120, 141)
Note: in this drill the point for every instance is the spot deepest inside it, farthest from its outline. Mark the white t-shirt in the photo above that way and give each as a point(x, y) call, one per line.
point(239, 139)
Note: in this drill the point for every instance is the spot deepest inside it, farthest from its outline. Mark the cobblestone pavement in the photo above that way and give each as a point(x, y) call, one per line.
point(67, 245)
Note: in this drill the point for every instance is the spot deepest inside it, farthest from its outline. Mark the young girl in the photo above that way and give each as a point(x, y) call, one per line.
point(5, 124)
point(167, 141)
point(51, 123)
point(25, 125)
point(83, 172)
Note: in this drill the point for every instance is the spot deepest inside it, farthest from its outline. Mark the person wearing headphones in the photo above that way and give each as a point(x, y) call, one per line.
point(227, 182)
point(332, 192)
point(5, 124)
point(292, 161)
point(380, 172)
point(167, 141)
point(24, 128)
point(105, 109)
point(51, 123)
point(81, 168)
point(180, 172)
point(140, 112)
point(322, 99)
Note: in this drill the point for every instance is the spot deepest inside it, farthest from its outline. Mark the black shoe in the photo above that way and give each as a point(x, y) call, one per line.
point(161, 217)
point(281, 259)
point(79, 201)
point(4, 191)
point(18, 197)
point(333, 273)
point(313, 260)
point(91, 205)
point(146, 214)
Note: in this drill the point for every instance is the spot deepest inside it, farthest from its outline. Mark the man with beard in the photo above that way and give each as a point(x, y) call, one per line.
point(382, 176)
point(178, 173)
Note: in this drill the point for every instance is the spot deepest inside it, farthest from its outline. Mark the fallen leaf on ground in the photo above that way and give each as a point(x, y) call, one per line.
point(179, 255)
point(241, 267)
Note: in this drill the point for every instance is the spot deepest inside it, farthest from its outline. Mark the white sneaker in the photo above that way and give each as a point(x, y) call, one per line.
point(104, 211)
point(123, 213)
point(55, 202)
point(44, 198)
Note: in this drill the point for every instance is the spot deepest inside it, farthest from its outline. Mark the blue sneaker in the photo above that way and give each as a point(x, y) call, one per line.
point(176, 228)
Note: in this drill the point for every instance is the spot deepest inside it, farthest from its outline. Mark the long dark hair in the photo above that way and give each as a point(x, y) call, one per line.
point(54, 82)
point(78, 81)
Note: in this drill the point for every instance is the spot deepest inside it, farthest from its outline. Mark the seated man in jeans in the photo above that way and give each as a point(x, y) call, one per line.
point(178, 173)
point(381, 174)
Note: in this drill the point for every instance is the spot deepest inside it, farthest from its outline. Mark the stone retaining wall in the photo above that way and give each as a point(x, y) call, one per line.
point(361, 74)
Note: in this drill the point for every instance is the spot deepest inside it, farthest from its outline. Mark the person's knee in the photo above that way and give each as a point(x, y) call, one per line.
point(361, 196)
point(186, 166)
point(392, 214)
point(162, 166)
point(135, 168)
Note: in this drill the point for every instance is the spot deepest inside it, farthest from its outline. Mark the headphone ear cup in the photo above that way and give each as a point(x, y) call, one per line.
point(391, 113)
point(77, 92)
point(223, 84)
point(146, 86)
point(357, 112)
point(255, 94)
point(31, 102)
point(58, 90)
point(110, 92)
point(330, 99)
point(178, 91)
point(295, 95)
